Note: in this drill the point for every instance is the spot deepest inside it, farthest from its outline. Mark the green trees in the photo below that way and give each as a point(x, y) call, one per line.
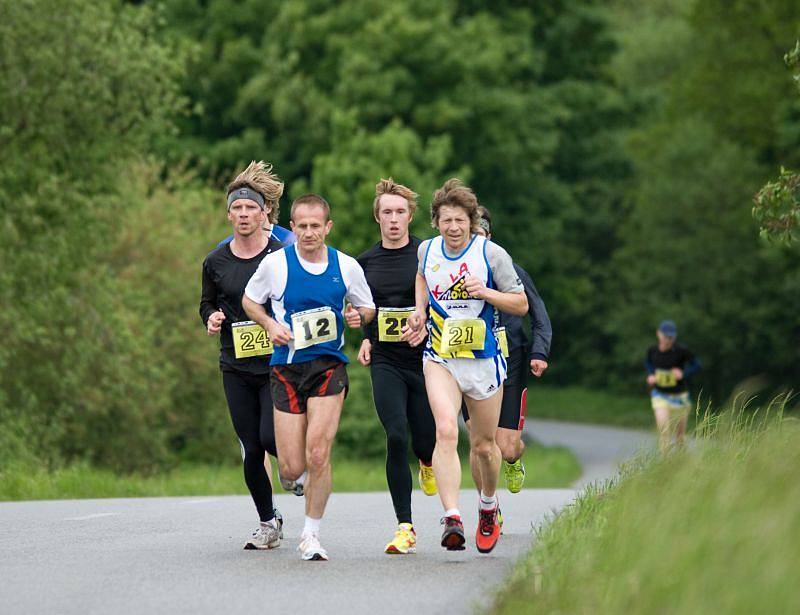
point(618, 146)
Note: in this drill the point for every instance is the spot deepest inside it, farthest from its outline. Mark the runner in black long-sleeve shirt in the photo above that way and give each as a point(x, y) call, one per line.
point(398, 385)
point(521, 354)
point(244, 346)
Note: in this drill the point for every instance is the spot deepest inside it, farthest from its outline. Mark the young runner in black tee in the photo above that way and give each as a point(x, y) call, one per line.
point(398, 385)
point(244, 346)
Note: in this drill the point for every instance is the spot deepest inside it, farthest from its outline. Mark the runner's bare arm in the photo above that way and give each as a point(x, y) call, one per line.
point(278, 333)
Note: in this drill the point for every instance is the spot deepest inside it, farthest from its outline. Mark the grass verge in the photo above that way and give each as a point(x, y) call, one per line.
point(709, 530)
point(547, 467)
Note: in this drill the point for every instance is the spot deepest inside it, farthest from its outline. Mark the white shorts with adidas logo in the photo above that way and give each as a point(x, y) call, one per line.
point(477, 378)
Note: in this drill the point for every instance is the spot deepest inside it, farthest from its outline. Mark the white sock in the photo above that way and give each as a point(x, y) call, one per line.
point(311, 526)
point(452, 512)
point(302, 478)
point(488, 502)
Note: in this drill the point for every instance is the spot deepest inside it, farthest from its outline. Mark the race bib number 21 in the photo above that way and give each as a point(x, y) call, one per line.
point(462, 334)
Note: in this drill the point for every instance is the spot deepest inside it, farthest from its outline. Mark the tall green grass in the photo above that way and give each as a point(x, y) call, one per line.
point(711, 529)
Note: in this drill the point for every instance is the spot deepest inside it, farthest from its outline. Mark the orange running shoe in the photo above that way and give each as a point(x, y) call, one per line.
point(453, 536)
point(488, 530)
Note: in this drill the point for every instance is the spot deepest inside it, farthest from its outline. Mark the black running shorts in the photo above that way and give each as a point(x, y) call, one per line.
point(293, 384)
point(515, 392)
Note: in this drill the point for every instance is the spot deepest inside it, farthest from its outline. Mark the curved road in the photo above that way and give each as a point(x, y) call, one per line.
point(183, 555)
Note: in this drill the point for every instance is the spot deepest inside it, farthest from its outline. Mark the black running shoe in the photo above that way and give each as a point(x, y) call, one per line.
point(453, 535)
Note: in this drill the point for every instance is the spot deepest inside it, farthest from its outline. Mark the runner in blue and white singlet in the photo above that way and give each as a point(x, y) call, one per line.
point(463, 278)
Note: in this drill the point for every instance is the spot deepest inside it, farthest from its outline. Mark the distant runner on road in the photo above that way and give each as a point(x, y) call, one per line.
point(244, 345)
point(464, 278)
point(521, 355)
point(398, 385)
point(308, 284)
point(668, 365)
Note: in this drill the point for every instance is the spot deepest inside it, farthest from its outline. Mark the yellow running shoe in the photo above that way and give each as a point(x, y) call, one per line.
point(404, 541)
point(427, 481)
point(515, 475)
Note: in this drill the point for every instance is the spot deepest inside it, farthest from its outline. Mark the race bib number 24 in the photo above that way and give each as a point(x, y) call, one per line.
point(250, 340)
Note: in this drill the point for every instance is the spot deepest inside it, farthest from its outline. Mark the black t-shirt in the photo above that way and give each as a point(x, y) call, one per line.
point(391, 274)
point(677, 356)
point(225, 276)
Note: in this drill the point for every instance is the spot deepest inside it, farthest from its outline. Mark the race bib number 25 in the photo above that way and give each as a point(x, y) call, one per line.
point(312, 327)
point(391, 322)
point(250, 340)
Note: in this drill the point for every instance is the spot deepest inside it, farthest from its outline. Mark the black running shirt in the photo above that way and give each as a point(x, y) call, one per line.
point(391, 274)
point(541, 330)
point(225, 276)
point(677, 356)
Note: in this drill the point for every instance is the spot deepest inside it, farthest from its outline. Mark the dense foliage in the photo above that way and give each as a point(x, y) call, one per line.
point(618, 146)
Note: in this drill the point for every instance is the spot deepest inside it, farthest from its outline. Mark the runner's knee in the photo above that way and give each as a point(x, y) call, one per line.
point(447, 435)
point(396, 439)
point(317, 456)
point(483, 447)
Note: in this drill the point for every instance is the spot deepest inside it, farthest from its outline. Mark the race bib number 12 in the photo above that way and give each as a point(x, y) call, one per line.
point(250, 340)
point(391, 322)
point(462, 334)
point(312, 327)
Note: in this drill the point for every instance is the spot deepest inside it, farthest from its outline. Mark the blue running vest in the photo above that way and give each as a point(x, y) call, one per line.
point(306, 291)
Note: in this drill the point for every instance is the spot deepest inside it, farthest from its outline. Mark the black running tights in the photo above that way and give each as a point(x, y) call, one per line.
point(402, 403)
point(250, 404)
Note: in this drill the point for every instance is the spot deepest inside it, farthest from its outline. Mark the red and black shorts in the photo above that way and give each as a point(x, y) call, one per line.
point(293, 384)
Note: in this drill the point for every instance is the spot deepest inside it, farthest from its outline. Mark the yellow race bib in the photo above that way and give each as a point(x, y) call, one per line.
point(665, 378)
point(462, 334)
point(250, 340)
point(312, 327)
point(502, 340)
point(391, 322)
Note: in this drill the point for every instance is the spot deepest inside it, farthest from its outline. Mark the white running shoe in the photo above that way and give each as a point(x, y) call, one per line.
point(267, 536)
point(310, 549)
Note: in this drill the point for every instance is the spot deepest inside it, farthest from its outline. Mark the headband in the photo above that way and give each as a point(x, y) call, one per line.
point(484, 224)
point(245, 193)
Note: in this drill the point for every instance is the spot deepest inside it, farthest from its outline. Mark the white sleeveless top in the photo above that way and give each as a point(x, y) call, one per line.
point(451, 305)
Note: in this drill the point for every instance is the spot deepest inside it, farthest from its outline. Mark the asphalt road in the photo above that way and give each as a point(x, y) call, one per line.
point(599, 449)
point(184, 555)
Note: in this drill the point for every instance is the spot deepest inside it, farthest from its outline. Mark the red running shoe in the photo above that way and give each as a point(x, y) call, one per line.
point(453, 536)
point(488, 530)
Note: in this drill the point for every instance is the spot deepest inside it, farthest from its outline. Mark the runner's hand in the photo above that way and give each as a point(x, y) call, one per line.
point(365, 353)
point(475, 287)
point(352, 317)
point(278, 333)
point(537, 367)
point(651, 380)
point(413, 326)
point(415, 338)
point(214, 323)
point(678, 373)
